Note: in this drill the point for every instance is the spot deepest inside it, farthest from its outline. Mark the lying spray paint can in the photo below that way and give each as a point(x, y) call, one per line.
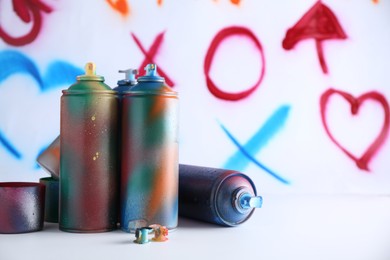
point(88, 163)
point(218, 196)
point(149, 176)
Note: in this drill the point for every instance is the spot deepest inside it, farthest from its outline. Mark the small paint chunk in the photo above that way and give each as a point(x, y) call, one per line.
point(93, 118)
point(142, 234)
point(160, 233)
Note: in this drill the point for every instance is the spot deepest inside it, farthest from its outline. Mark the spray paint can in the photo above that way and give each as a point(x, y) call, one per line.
point(124, 86)
point(223, 197)
point(88, 163)
point(149, 177)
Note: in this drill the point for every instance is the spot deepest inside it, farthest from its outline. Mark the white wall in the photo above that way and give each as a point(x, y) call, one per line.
point(294, 144)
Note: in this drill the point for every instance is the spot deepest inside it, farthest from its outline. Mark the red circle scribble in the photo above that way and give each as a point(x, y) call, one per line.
point(22, 8)
point(362, 162)
point(218, 39)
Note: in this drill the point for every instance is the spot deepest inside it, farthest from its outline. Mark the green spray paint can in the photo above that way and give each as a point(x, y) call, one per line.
point(89, 150)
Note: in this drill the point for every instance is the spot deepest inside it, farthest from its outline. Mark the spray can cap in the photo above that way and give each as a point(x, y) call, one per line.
point(151, 84)
point(90, 73)
point(151, 74)
point(129, 77)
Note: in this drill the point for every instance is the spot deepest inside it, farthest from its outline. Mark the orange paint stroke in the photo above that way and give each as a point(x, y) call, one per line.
point(120, 6)
point(235, 2)
point(157, 109)
point(375, 1)
point(164, 190)
point(160, 2)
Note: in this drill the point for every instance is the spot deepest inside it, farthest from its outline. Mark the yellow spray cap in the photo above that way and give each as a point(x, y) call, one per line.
point(90, 73)
point(90, 69)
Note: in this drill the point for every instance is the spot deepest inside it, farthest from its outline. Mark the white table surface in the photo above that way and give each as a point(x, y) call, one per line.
point(315, 227)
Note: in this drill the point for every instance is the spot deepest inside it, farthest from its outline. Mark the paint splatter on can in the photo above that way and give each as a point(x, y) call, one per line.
point(22, 206)
point(218, 196)
point(89, 150)
point(149, 175)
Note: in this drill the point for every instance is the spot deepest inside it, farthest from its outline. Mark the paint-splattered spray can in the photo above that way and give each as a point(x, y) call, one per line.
point(223, 197)
point(123, 87)
point(88, 163)
point(149, 177)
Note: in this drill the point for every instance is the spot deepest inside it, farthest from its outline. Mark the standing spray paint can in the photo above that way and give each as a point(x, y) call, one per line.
point(223, 197)
point(149, 177)
point(88, 164)
point(123, 87)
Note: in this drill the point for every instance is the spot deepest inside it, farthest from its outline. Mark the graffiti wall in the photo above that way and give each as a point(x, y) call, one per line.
point(294, 93)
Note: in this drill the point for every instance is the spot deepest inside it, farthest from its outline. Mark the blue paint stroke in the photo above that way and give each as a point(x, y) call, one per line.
point(37, 166)
point(261, 138)
point(10, 147)
point(58, 73)
point(13, 62)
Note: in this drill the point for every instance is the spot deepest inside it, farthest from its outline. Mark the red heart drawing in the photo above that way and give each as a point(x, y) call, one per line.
point(362, 162)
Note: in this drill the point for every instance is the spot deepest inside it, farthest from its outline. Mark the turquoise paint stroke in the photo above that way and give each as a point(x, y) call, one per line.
point(243, 156)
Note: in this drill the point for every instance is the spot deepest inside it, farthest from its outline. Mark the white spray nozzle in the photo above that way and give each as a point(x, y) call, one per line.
point(129, 74)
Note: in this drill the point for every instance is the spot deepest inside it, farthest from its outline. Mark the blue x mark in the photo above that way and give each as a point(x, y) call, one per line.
point(244, 155)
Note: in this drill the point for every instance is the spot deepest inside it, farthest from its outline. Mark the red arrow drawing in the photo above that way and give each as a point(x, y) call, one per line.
point(319, 23)
point(28, 11)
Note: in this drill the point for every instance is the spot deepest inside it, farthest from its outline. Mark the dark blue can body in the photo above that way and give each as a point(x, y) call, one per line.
point(217, 196)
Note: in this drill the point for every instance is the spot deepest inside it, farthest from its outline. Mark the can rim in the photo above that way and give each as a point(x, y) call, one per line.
point(147, 93)
point(80, 92)
point(229, 174)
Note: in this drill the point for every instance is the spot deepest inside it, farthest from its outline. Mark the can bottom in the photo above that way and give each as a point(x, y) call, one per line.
point(87, 230)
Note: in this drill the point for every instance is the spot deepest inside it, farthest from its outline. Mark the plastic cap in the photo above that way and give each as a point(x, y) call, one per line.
point(151, 70)
point(247, 201)
point(90, 73)
point(90, 69)
point(129, 76)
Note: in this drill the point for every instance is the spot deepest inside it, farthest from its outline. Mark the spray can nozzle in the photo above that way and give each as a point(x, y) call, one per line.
point(151, 70)
point(151, 74)
point(245, 200)
point(90, 73)
point(90, 69)
point(129, 77)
